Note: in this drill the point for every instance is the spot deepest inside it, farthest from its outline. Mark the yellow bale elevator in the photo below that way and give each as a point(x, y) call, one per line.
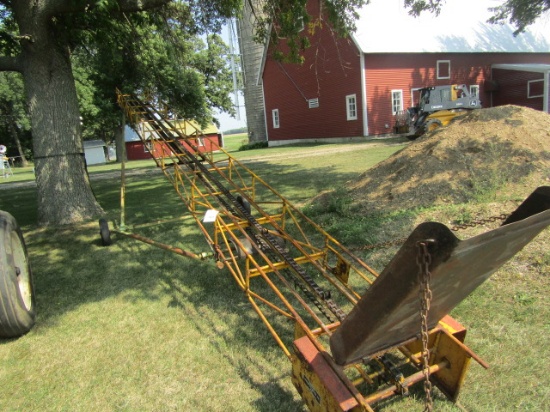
point(359, 337)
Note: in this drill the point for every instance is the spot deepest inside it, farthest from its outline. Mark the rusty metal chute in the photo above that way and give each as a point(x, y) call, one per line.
point(355, 335)
point(457, 269)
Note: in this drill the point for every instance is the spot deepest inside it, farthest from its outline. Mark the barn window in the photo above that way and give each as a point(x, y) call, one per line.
point(474, 90)
point(443, 69)
point(351, 107)
point(396, 101)
point(535, 88)
point(275, 115)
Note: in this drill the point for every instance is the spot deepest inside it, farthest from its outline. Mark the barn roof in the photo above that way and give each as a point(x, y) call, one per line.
point(534, 68)
point(386, 27)
point(88, 144)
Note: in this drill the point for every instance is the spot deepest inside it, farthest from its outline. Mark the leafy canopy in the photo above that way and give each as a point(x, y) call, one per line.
point(164, 53)
point(519, 13)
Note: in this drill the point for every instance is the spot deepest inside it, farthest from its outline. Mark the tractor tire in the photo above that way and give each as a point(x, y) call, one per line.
point(17, 304)
point(105, 233)
point(432, 124)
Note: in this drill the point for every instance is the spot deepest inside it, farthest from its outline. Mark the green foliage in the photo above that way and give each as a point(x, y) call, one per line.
point(14, 121)
point(287, 24)
point(158, 52)
point(519, 13)
point(418, 6)
point(239, 130)
point(8, 32)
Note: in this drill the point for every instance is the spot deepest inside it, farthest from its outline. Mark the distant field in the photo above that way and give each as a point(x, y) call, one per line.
point(233, 142)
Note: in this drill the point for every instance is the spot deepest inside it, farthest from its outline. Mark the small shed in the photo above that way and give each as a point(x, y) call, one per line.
point(94, 152)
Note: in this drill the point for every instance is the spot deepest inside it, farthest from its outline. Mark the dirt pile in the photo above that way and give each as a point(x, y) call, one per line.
point(490, 150)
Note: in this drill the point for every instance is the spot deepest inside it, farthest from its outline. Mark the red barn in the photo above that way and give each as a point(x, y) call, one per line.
point(351, 88)
point(210, 140)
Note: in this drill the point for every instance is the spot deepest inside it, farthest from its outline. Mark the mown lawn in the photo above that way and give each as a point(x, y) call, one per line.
point(134, 328)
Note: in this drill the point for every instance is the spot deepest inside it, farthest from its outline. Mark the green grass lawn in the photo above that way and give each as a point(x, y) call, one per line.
point(134, 328)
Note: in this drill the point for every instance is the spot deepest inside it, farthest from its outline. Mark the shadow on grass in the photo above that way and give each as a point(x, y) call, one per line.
point(73, 270)
point(20, 201)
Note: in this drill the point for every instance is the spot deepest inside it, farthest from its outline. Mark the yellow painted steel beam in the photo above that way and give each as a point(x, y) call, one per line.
point(285, 265)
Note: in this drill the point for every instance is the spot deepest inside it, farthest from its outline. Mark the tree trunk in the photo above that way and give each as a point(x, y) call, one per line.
point(64, 191)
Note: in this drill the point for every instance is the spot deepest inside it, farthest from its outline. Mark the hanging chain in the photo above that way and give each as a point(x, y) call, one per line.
point(479, 222)
point(455, 228)
point(424, 260)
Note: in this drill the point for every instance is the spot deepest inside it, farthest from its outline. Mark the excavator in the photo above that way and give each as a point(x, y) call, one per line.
point(437, 107)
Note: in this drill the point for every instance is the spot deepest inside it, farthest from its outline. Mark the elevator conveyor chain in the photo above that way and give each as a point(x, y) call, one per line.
point(232, 204)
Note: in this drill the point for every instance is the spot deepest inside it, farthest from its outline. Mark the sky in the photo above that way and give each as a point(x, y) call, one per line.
point(461, 26)
point(227, 122)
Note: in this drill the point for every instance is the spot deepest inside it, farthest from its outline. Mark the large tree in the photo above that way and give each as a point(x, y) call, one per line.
point(64, 192)
point(44, 33)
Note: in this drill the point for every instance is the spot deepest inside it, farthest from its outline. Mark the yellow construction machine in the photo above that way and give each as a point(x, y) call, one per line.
point(437, 107)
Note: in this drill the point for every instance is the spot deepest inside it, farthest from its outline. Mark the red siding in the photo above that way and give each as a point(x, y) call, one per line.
point(136, 151)
point(386, 72)
point(512, 88)
point(331, 72)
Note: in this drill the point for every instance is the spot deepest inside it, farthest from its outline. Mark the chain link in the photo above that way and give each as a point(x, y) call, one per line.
point(479, 222)
point(424, 260)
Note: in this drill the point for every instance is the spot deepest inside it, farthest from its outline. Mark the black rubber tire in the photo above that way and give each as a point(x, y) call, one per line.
point(17, 304)
point(432, 125)
point(104, 232)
